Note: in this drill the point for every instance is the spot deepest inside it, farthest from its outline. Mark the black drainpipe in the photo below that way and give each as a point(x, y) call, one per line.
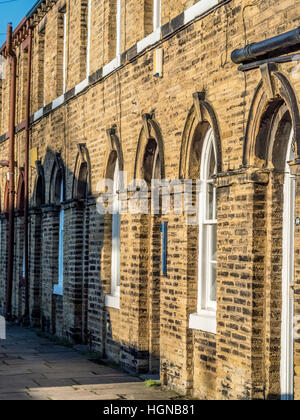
point(272, 47)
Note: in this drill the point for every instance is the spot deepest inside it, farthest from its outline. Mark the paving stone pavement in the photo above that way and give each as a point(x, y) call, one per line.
point(34, 368)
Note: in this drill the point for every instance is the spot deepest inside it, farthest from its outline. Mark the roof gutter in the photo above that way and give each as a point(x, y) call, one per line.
point(272, 47)
point(21, 31)
point(33, 9)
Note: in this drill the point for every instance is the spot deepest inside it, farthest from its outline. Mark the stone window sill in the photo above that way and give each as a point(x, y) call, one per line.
point(112, 301)
point(204, 321)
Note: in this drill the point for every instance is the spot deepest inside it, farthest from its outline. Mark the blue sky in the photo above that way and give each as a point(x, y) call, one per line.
point(12, 11)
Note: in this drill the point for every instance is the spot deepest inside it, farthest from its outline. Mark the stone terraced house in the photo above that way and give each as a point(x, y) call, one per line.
point(203, 93)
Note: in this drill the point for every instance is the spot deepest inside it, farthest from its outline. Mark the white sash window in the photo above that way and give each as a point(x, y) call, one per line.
point(288, 278)
point(65, 52)
point(119, 28)
point(58, 288)
point(88, 43)
point(156, 14)
point(113, 300)
point(205, 319)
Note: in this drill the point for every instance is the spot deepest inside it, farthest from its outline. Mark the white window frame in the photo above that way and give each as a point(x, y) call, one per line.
point(156, 15)
point(88, 44)
point(58, 288)
point(65, 52)
point(119, 28)
point(288, 266)
point(205, 318)
point(1, 239)
point(23, 261)
point(113, 299)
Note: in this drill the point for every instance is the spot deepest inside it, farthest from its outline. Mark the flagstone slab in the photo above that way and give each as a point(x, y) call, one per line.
point(15, 396)
point(33, 368)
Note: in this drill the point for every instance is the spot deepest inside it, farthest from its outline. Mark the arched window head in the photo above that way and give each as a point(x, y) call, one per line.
point(200, 120)
point(57, 182)
point(82, 173)
point(40, 185)
point(208, 170)
point(82, 186)
point(157, 166)
point(58, 189)
point(268, 114)
point(40, 192)
point(149, 162)
point(111, 165)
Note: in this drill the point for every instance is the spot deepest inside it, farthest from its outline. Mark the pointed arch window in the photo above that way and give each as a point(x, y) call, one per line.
point(208, 227)
point(116, 230)
point(113, 299)
point(205, 319)
point(58, 288)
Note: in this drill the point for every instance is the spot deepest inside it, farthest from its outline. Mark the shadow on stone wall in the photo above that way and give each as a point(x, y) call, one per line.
point(78, 314)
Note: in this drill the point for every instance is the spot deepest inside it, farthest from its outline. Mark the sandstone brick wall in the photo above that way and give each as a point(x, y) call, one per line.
point(152, 324)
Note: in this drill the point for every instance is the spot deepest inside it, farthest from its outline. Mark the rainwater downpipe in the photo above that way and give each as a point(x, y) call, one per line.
point(26, 177)
point(11, 172)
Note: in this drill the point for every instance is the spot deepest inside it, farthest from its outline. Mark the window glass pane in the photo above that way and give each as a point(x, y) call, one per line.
point(212, 163)
point(213, 288)
point(214, 243)
point(61, 248)
point(210, 202)
point(116, 243)
point(119, 27)
point(116, 233)
point(291, 152)
point(215, 215)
